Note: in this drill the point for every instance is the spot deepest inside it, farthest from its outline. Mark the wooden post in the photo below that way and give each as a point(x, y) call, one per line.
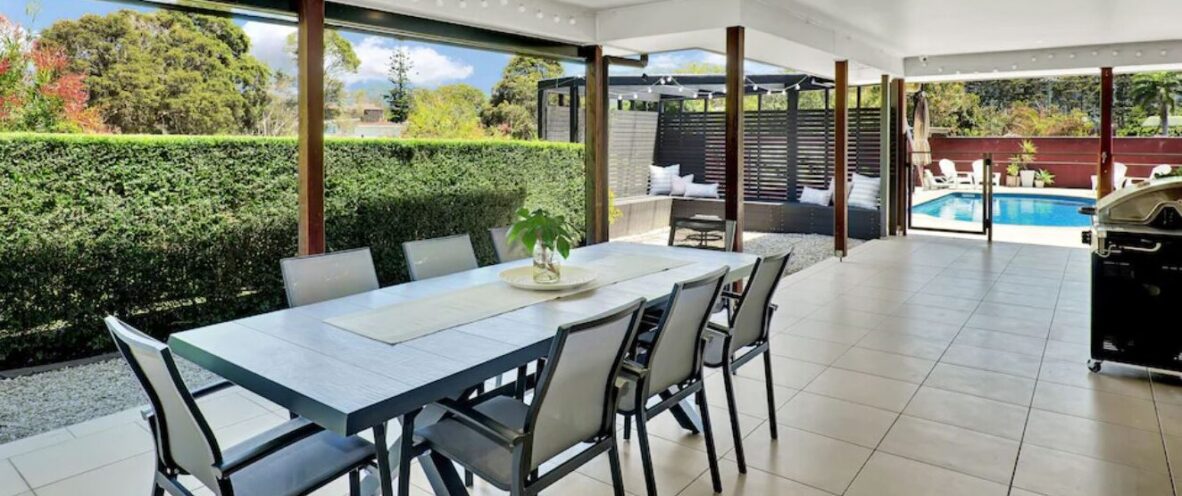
point(1104, 184)
point(574, 113)
point(840, 173)
point(733, 146)
point(311, 138)
point(595, 146)
point(884, 155)
point(541, 114)
point(902, 161)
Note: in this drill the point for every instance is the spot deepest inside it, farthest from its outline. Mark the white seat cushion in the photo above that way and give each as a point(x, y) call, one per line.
point(815, 196)
point(679, 184)
point(660, 179)
point(864, 193)
point(701, 190)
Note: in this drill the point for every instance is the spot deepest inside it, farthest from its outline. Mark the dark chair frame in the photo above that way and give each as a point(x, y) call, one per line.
point(520, 442)
point(693, 385)
point(731, 363)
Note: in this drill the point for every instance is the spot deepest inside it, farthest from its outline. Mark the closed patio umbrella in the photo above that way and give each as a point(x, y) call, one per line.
point(921, 150)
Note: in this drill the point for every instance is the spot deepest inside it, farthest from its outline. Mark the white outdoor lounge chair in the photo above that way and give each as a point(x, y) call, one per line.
point(1119, 176)
point(439, 257)
point(953, 176)
point(978, 166)
point(932, 183)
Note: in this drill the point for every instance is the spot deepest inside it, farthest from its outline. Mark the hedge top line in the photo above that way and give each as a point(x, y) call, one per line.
point(281, 140)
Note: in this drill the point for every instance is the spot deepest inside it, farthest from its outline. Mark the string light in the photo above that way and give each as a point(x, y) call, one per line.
point(572, 20)
point(540, 14)
point(557, 18)
point(463, 4)
point(521, 8)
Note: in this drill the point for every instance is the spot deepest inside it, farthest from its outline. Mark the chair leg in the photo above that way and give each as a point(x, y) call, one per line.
point(733, 409)
point(627, 427)
point(355, 483)
point(771, 394)
point(711, 453)
point(646, 456)
point(613, 458)
point(469, 479)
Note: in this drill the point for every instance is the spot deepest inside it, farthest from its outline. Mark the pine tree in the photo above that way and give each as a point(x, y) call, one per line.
point(399, 97)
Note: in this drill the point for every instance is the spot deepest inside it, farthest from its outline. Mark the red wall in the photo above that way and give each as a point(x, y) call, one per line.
point(1072, 160)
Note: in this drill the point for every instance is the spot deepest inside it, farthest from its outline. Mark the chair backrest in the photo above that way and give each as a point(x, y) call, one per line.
point(507, 251)
point(749, 321)
point(439, 257)
point(316, 278)
point(1163, 169)
point(978, 165)
point(702, 232)
point(1119, 172)
point(183, 439)
point(929, 179)
point(947, 168)
point(676, 353)
point(576, 398)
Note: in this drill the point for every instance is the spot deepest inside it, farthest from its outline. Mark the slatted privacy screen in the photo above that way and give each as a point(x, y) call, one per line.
point(631, 145)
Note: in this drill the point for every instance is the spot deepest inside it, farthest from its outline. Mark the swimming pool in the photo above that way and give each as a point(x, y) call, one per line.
point(1010, 208)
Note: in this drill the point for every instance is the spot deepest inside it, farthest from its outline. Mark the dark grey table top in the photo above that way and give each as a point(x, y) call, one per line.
point(348, 383)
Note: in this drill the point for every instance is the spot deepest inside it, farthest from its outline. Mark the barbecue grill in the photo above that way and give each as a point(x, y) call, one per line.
point(1136, 241)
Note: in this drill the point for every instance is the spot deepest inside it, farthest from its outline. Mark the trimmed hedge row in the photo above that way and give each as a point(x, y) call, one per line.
point(178, 232)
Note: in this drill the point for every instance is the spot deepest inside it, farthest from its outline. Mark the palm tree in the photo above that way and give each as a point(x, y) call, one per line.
point(1157, 89)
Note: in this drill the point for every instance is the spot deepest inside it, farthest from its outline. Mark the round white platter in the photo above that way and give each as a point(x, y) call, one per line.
point(523, 278)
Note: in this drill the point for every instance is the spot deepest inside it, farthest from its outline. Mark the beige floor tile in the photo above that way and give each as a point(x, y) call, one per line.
point(665, 426)
point(828, 331)
point(750, 395)
point(992, 360)
point(229, 409)
point(1167, 388)
point(753, 483)
point(919, 328)
point(1072, 334)
point(1013, 325)
point(944, 301)
point(1037, 314)
point(808, 458)
point(1112, 378)
point(808, 349)
point(993, 385)
point(1003, 341)
point(904, 344)
point(1066, 351)
point(889, 475)
point(841, 314)
point(786, 372)
point(1170, 417)
point(941, 315)
point(1109, 442)
point(675, 466)
point(1057, 473)
point(839, 419)
point(871, 390)
point(1096, 405)
point(11, 483)
point(93, 426)
point(34, 443)
point(80, 455)
point(131, 476)
point(1174, 456)
point(883, 364)
point(970, 412)
point(968, 452)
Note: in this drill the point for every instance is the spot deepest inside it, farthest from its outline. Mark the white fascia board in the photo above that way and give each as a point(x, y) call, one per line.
point(1087, 59)
point(506, 18)
point(665, 18)
point(839, 44)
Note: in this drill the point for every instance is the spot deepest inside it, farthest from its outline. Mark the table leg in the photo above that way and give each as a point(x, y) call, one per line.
point(406, 444)
point(383, 459)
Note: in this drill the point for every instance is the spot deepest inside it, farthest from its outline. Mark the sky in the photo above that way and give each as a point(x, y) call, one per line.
point(433, 64)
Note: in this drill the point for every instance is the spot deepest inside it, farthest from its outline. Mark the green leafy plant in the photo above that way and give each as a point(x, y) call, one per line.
point(1024, 158)
point(540, 227)
point(1013, 168)
point(1045, 177)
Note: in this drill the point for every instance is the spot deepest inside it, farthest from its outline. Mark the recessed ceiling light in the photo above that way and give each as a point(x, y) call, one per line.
point(540, 14)
point(572, 20)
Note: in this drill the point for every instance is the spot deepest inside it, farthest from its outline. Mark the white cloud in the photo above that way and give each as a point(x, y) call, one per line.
point(269, 44)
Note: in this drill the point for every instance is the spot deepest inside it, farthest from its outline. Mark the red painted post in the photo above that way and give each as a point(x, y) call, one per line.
point(1104, 170)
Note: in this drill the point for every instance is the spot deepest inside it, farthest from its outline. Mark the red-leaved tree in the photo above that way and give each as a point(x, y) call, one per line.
point(37, 93)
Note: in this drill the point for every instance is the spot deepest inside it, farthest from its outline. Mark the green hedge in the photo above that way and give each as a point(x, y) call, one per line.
point(178, 232)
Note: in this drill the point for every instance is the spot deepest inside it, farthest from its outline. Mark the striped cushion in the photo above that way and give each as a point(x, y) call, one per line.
point(864, 193)
point(660, 179)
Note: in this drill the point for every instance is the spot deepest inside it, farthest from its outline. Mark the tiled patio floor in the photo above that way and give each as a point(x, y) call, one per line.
point(922, 366)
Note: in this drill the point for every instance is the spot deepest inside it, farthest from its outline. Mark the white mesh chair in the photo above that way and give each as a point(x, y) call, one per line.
point(505, 441)
point(293, 458)
point(439, 256)
point(671, 354)
point(506, 251)
point(316, 278)
point(744, 336)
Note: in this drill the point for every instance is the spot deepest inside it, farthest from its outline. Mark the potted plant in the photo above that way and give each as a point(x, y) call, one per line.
point(1024, 158)
point(548, 238)
point(1012, 174)
point(1043, 178)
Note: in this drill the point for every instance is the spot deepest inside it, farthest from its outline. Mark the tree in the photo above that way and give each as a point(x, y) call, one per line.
point(398, 98)
point(37, 92)
point(513, 104)
point(339, 59)
point(1157, 90)
point(165, 72)
point(449, 111)
point(282, 114)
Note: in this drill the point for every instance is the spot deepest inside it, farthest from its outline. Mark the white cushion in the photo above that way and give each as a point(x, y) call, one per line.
point(693, 190)
point(660, 179)
point(815, 196)
point(864, 192)
point(679, 183)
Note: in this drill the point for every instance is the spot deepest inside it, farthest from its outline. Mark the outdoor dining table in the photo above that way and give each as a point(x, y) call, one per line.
point(349, 383)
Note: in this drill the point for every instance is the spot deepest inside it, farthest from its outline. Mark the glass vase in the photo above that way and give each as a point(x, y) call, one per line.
point(547, 266)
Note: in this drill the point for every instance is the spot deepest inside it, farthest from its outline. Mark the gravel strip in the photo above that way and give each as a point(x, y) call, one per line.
point(37, 403)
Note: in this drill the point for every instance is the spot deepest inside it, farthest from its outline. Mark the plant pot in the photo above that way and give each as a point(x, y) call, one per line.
point(1038, 184)
point(1012, 181)
point(1027, 177)
point(547, 266)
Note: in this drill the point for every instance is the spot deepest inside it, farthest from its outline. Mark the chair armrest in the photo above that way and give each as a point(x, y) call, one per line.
point(481, 423)
point(235, 460)
point(206, 390)
point(714, 330)
point(633, 371)
point(730, 295)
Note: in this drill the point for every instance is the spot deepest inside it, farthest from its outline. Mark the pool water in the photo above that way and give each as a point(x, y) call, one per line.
point(1010, 208)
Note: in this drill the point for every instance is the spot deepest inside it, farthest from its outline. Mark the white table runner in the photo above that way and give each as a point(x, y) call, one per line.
point(411, 319)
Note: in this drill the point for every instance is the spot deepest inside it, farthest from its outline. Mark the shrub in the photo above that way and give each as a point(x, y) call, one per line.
point(174, 233)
